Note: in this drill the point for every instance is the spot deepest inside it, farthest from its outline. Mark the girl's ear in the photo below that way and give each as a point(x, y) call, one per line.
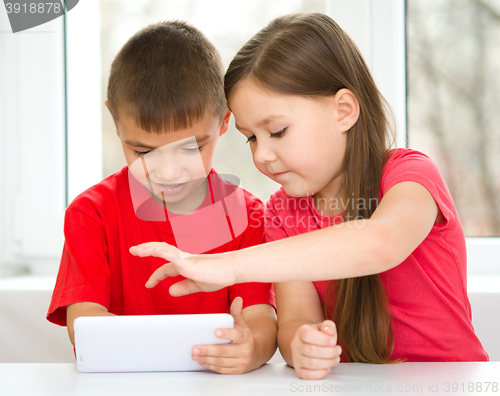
point(347, 108)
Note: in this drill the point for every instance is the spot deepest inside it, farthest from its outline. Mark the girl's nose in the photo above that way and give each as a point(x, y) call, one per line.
point(263, 154)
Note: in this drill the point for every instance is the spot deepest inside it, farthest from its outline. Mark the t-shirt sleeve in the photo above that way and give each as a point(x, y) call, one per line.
point(253, 293)
point(411, 165)
point(274, 229)
point(84, 274)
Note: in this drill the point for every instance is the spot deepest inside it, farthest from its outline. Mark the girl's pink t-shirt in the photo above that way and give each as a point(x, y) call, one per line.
point(427, 292)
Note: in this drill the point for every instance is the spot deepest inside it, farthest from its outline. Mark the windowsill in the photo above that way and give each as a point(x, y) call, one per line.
point(475, 283)
point(483, 284)
point(28, 282)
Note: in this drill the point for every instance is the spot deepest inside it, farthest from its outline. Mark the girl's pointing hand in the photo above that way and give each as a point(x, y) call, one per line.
point(203, 272)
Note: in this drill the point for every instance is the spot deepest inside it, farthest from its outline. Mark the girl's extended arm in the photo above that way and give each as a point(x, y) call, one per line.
point(404, 218)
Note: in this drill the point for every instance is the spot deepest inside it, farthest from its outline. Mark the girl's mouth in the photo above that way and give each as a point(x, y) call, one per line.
point(279, 174)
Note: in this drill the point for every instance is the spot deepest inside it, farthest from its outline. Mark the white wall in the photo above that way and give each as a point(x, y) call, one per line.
point(26, 336)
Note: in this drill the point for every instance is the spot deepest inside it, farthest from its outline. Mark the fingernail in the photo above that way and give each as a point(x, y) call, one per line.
point(196, 351)
point(218, 333)
point(196, 357)
point(331, 342)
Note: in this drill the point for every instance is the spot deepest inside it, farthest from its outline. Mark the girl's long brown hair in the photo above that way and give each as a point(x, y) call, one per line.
point(310, 55)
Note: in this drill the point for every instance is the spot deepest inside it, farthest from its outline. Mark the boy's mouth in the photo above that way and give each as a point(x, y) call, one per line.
point(171, 189)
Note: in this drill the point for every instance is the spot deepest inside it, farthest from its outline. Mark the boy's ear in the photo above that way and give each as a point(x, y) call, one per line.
point(225, 122)
point(347, 108)
point(107, 105)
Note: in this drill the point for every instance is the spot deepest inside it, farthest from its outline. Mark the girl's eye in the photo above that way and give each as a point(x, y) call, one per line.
point(250, 139)
point(192, 150)
point(278, 134)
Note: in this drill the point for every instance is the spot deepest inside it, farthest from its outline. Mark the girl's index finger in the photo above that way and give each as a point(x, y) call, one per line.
point(155, 249)
point(161, 273)
point(151, 245)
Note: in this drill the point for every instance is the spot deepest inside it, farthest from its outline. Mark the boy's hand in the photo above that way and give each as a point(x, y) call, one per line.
point(203, 272)
point(233, 358)
point(314, 350)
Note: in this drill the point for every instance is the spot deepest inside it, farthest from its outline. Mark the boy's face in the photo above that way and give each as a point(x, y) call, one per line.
point(173, 166)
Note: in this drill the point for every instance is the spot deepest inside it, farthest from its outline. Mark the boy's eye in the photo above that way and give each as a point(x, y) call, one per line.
point(192, 150)
point(142, 153)
point(278, 134)
point(250, 139)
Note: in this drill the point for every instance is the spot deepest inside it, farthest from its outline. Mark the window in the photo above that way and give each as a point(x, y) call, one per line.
point(453, 68)
point(51, 132)
point(32, 140)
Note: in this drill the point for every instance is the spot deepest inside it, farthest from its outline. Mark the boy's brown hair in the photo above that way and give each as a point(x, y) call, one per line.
point(167, 76)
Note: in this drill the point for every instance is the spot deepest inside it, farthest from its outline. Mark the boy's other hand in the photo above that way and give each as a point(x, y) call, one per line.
point(203, 272)
point(233, 358)
point(315, 350)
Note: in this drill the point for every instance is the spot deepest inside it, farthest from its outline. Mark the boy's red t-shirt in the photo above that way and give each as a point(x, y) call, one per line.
point(96, 265)
point(427, 292)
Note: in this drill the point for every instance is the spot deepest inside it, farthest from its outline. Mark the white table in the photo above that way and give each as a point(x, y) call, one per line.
point(54, 379)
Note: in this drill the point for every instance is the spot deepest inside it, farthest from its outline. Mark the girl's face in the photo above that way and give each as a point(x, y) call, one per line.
point(296, 141)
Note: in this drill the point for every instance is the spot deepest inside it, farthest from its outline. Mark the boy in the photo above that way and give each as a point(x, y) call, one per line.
point(165, 94)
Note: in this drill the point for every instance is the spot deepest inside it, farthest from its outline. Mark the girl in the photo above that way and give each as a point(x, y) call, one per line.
point(365, 236)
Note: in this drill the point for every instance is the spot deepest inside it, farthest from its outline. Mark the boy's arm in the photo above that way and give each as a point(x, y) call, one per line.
point(261, 319)
point(73, 311)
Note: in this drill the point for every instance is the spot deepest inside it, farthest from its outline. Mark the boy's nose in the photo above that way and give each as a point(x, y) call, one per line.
point(167, 170)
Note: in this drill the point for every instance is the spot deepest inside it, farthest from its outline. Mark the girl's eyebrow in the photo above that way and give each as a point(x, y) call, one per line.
point(265, 121)
point(270, 119)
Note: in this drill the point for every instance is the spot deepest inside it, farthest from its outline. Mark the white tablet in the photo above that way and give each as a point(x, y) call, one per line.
point(144, 342)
